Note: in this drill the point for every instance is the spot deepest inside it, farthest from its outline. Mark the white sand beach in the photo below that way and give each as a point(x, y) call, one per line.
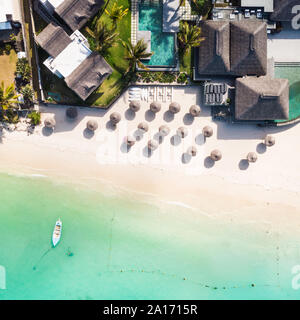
point(265, 193)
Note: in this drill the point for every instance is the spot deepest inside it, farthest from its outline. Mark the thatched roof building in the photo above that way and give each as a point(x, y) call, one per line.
point(248, 48)
point(234, 48)
point(213, 53)
point(77, 12)
point(88, 76)
point(53, 39)
point(261, 99)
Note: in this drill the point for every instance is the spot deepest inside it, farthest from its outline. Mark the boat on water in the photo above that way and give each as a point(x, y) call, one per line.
point(57, 232)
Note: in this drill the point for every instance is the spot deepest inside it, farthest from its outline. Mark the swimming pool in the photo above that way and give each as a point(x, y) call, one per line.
point(162, 43)
point(292, 73)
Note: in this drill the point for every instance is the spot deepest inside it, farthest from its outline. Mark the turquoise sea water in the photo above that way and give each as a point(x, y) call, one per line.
point(162, 43)
point(293, 75)
point(125, 248)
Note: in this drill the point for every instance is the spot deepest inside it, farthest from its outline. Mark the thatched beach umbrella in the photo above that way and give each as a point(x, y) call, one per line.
point(207, 131)
point(115, 117)
point(129, 140)
point(195, 110)
point(135, 106)
point(72, 112)
point(143, 126)
point(252, 157)
point(182, 132)
point(269, 141)
point(152, 144)
point(50, 123)
point(155, 107)
point(164, 130)
point(192, 151)
point(92, 125)
point(174, 107)
point(216, 155)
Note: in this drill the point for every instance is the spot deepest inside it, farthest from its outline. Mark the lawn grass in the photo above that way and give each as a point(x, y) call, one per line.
point(113, 85)
point(186, 63)
point(8, 67)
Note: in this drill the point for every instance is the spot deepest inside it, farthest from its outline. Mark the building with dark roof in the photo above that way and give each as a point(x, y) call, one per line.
point(214, 51)
point(53, 39)
point(261, 98)
point(88, 76)
point(71, 58)
point(236, 48)
point(76, 13)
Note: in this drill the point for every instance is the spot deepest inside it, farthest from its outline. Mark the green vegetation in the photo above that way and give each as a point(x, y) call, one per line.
point(8, 100)
point(35, 118)
point(201, 7)
point(134, 55)
point(23, 70)
point(102, 37)
point(189, 37)
point(28, 95)
point(162, 77)
point(116, 13)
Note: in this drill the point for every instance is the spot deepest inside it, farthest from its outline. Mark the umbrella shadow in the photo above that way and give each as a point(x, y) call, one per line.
point(149, 115)
point(200, 139)
point(188, 119)
point(186, 158)
point(175, 140)
point(147, 152)
point(158, 137)
point(209, 162)
point(244, 164)
point(168, 116)
point(88, 134)
point(138, 135)
point(47, 131)
point(125, 148)
point(261, 148)
point(110, 126)
point(129, 114)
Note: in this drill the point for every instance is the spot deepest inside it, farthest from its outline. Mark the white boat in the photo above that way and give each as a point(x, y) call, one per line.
point(56, 232)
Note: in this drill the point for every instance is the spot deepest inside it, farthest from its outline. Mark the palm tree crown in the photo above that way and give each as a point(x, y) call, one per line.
point(7, 96)
point(189, 36)
point(116, 13)
point(104, 37)
point(136, 53)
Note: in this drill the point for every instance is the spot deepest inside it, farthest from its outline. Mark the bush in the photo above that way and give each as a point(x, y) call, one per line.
point(35, 118)
point(7, 48)
point(23, 69)
point(182, 78)
point(11, 116)
point(27, 93)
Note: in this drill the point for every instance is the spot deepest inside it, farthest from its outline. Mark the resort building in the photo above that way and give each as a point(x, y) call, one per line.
point(75, 13)
point(70, 58)
point(266, 5)
point(232, 48)
point(262, 98)
point(8, 26)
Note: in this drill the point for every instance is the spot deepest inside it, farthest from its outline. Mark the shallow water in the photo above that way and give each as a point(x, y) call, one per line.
point(117, 247)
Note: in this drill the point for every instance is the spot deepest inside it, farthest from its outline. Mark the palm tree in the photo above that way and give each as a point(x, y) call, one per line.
point(134, 54)
point(104, 38)
point(7, 97)
point(116, 13)
point(189, 36)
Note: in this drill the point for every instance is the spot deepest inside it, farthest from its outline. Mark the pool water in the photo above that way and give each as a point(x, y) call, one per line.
point(293, 75)
point(162, 43)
